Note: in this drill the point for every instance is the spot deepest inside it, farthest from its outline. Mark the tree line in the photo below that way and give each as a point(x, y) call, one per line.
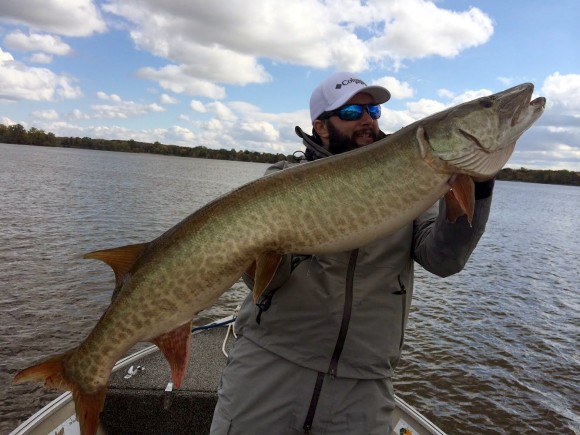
point(17, 134)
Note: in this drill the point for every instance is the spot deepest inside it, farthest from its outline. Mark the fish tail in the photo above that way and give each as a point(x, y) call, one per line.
point(88, 406)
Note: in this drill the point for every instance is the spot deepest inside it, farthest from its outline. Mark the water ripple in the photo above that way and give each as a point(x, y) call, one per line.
point(493, 349)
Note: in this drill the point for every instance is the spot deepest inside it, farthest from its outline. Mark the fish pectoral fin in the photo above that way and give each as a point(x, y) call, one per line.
point(176, 347)
point(251, 271)
point(265, 269)
point(88, 406)
point(120, 259)
point(460, 199)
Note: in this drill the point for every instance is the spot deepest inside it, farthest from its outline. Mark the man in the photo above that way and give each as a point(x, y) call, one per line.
point(317, 353)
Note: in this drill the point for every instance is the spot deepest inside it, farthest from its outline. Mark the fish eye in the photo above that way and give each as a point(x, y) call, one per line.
point(486, 102)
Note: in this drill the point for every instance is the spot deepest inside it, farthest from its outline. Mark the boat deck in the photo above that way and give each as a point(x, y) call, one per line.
point(141, 404)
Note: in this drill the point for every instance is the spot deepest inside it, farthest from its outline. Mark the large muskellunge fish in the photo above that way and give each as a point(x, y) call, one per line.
point(335, 204)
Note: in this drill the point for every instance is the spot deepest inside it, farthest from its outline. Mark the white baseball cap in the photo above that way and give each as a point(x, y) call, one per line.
point(340, 87)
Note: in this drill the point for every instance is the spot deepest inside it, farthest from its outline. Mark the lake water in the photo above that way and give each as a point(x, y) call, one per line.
point(493, 349)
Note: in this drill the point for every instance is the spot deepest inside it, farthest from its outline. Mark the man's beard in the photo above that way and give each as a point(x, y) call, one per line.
point(340, 143)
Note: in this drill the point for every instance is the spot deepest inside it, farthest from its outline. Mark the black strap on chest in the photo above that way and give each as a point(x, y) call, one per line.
point(266, 299)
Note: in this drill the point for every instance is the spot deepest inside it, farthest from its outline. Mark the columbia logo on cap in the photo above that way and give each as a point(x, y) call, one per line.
point(335, 91)
point(351, 80)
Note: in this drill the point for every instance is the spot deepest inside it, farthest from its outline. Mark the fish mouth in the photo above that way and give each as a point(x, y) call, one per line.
point(538, 103)
point(521, 115)
point(517, 104)
point(518, 109)
point(483, 144)
point(523, 103)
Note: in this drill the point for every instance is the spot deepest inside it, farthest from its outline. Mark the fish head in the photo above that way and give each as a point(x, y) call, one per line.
point(478, 137)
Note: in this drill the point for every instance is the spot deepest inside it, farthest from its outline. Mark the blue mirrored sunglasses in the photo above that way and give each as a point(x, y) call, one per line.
point(354, 112)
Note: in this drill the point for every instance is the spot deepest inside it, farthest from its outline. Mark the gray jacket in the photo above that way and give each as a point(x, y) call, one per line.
point(345, 313)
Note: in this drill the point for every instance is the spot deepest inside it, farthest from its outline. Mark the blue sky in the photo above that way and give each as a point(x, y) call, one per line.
point(238, 74)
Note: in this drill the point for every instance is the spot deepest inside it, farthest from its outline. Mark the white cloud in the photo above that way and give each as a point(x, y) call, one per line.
point(197, 106)
point(245, 107)
point(36, 42)
point(109, 97)
point(167, 99)
point(560, 156)
point(243, 126)
point(435, 31)
point(555, 140)
point(63, 17)
point(563, 90)
point(7, 121)
point(236, 36)
point(77, 114)
point(399, 90)
point(223, 112)
point(66, 90)
point(215, 125)
point(470, 95)
point(49, 114)
point(445, 93)
point(205, 42)
point(20, 82)
point(424, 107)
point(178, 134)
point(125, 109)
point(258, 131)
point(5, 56)
point(122, 109)
point(174, 79)
point(393, 120)
point(41, 58)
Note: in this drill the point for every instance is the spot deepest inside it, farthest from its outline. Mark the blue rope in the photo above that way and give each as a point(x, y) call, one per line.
point(213, 325)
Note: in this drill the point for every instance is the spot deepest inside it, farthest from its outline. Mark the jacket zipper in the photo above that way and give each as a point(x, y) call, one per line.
point(338, 347)
point(346, 314)
point(402, 292)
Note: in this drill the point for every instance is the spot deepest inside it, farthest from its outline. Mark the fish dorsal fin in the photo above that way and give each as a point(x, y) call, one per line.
point(460, 199)
point(120, 259)
point(265, 268)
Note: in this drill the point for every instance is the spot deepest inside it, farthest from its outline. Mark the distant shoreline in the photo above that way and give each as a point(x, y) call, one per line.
point(17, 135)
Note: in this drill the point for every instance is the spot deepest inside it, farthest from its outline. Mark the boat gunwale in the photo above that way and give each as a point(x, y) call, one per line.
point(65, 399)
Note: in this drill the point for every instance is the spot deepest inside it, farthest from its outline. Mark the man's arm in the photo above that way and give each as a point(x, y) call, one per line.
point(442, 247)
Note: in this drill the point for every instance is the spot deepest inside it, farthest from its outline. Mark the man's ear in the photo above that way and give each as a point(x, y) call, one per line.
point(321, 128)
